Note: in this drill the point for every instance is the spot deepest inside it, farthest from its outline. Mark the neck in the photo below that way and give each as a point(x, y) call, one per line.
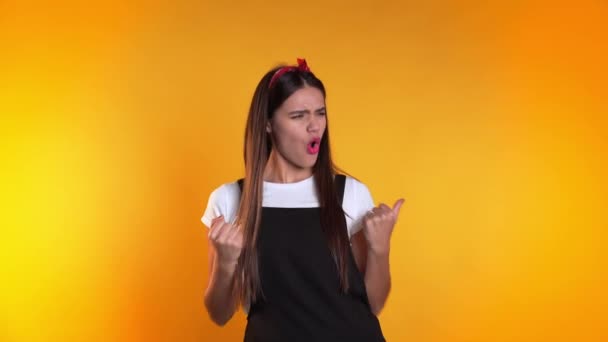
point(279, 170)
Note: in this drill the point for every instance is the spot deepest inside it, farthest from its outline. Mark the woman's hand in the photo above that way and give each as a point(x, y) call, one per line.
point(227, 239)
point(378, 226)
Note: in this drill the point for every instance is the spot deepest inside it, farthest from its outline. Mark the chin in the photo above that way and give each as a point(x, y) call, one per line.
point(308, 164)
point(314, 159)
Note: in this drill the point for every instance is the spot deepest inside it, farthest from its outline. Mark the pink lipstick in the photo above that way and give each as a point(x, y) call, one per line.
point(313, 146)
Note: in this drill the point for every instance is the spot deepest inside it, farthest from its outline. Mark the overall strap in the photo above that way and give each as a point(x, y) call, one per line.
point(340, 181)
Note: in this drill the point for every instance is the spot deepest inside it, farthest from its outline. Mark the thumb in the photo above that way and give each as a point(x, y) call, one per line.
point(397, 206)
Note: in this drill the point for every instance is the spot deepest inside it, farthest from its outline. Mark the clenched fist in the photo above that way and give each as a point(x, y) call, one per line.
point(378, 226)
point(227, 239)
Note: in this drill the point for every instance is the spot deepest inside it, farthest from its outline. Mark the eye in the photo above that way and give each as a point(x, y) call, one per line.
point(297, 116)
point(321, 113)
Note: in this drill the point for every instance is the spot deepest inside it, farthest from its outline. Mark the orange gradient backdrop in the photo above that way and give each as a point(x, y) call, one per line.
point(490, 117)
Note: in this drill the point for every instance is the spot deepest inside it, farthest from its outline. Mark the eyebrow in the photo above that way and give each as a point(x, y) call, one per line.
point(322, 109)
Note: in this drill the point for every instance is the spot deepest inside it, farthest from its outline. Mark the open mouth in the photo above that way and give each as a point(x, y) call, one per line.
point(313, 146)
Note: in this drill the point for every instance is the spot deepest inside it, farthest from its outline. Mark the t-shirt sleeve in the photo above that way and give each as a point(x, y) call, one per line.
point(215, 207)
point(222, 201)
point(363, 201)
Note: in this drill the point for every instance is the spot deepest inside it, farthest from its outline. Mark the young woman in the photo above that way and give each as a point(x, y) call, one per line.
point(296, 242)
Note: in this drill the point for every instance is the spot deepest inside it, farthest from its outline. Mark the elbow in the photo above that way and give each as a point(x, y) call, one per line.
point(217, 316)
point(376, 312)
point(376, 308)
point(376, 303)
point(220, 322)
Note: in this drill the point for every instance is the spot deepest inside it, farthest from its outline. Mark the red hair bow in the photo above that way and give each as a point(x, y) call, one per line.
point(302, 66)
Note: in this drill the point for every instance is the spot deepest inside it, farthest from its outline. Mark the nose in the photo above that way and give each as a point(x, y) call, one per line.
point(314, 125)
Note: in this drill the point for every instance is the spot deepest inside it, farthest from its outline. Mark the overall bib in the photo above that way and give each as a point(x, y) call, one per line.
point(300, 283)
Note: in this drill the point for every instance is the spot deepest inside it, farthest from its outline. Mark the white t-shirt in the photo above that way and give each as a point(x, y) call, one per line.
point(225, 200)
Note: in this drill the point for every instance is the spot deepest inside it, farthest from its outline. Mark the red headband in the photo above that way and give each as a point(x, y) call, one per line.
point(302, 66)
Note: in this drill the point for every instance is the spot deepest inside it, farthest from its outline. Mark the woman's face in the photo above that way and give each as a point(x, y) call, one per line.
point(297, 127)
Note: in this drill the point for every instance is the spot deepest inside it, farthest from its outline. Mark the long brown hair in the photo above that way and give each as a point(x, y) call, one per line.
point(257, 148)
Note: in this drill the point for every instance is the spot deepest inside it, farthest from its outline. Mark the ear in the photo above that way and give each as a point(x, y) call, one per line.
point(268, 127)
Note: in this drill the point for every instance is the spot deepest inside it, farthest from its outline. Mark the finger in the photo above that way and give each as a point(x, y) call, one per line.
point(237, 235)
point(370, 213)
point(372, 217)
point(385, 209)
point(380, 212)
point(226, 233)
point(214, 223)
point(234, 231)
point(397, 206)
point(221, 217)
point(217, 230)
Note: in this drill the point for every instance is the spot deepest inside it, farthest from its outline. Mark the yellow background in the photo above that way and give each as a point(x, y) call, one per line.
point(490, 117)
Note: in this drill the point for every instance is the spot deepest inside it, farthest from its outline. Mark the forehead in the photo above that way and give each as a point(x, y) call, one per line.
point(305, 98)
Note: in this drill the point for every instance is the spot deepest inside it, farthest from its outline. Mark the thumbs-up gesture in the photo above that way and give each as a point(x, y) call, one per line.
point(378, 226)
point(227, 238)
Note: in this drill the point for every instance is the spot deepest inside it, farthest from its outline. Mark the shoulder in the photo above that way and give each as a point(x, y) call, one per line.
point(226, 192)
point(356, 191)
point(223, 200)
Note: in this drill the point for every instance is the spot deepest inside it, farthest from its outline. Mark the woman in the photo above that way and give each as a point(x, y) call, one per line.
point(298, 244)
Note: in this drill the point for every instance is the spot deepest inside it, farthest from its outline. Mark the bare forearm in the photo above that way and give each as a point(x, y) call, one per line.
point(220, 300)
point(377, 279)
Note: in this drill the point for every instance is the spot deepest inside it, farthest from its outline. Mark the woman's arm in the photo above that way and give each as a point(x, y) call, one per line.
point(371, 246)
point(375, 269)
point(225, 246)
point(219, 297)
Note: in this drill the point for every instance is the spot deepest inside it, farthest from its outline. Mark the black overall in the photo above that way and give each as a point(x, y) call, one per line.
point(301, 285)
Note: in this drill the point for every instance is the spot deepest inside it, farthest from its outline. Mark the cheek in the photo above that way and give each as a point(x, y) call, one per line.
point(286, 135)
